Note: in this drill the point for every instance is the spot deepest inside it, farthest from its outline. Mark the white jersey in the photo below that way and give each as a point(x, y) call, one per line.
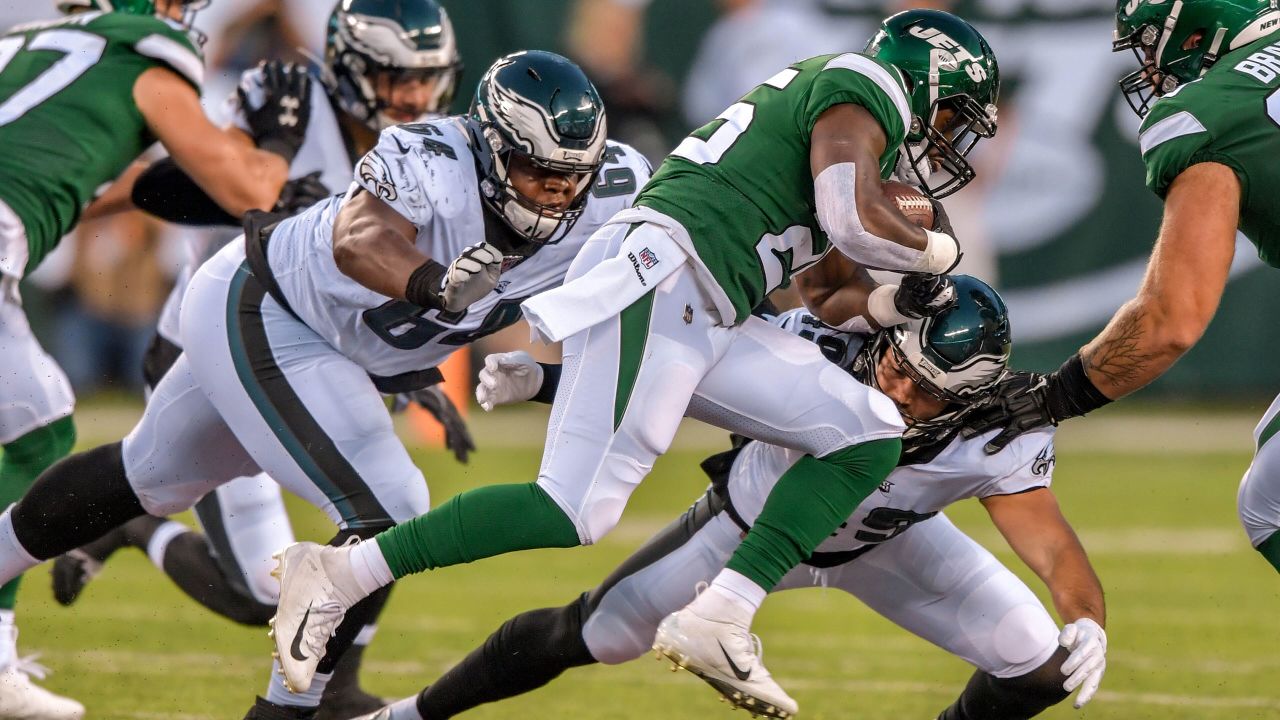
point(323, 150)
point(911, 493)
point(426, 172)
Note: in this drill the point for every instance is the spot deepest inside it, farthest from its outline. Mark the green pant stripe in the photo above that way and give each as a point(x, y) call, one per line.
point(1271, 429)
point(634, 333)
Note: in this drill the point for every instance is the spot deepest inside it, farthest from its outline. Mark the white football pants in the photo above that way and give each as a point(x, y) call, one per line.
point(34, 391)
point(1258, 501)
point(256, 389)
point(628, 381)
point(932, 580)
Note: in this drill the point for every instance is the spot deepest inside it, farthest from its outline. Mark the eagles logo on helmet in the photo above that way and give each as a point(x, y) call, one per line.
point(392, 39)
point(956, 356)
point(541, 107)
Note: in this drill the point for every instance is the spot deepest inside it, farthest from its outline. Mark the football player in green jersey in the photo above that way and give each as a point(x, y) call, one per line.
point(80, 99)
point(655, 319)
point(1208, 90)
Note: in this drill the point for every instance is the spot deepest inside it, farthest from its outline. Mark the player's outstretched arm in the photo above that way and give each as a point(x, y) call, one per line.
point(373, 245)
point(1181, 290)
point(1035, 528)
point(845, 147)
point(1033, 525)
point(238, 176)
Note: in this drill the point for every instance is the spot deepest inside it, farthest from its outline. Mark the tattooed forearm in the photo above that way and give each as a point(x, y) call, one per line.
point(1121, 359)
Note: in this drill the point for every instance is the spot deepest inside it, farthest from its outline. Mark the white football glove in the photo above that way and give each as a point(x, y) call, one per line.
point(471, 276)
point(508, 378)
point(1087, 642)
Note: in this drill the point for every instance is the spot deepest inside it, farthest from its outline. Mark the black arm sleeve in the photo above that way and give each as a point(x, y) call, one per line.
point(167, 192)
point(550, 382)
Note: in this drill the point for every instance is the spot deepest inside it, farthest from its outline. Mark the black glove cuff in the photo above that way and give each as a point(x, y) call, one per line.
point(550, 383)
point(1071, 393)
point(424, 284)
point(279, 146)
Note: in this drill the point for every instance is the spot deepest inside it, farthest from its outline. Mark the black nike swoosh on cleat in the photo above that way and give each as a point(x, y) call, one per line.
point(736, 671)
point(296, 649)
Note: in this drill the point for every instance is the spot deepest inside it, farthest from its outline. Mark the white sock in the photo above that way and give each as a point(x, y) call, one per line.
point(8, 639)
point(160, 540)
point(276, 692)
point(732, 597)
point(369, 567)
point(14, 559)
point(406, 709)
point(365, 636)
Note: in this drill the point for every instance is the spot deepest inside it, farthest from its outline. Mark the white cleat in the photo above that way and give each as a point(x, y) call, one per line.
point(316, 590)
point(727, 657)
point(21, 699)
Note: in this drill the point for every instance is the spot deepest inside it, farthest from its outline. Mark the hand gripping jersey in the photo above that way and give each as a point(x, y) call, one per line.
point(67, 116)
point(911, 493)
point(325, 149)
point(426, 172)
point(1231, 115)
point(742, 186)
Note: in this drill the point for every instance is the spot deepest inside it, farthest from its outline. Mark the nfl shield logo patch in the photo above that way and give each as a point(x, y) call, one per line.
point(648, 259)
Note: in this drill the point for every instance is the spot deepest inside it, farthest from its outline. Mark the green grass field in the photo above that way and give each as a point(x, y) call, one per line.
point(1192, 608)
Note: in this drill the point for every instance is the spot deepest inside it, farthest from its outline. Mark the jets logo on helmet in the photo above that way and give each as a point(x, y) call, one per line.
point(541, 107)
point(956, 356)
point(378, 43)
point(953, 83)
point(1178, 41)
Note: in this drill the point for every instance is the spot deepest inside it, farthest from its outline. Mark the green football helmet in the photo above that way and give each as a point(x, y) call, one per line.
point(133, 7)
point(1157, 31)
point(953, 83)
point(542, 107)
point(402, 38)
point(956, 356)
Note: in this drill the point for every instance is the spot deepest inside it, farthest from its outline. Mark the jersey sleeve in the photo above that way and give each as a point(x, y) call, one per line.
point(166, 43)
point(860, 80)
point(837, 346)
point(1177, 134)
point(396, 171)
point(1029, 465)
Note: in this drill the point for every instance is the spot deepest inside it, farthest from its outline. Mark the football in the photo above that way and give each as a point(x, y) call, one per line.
point(911, 202)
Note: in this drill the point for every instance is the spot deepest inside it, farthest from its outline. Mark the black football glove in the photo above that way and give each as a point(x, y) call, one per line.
point(433, 399)
point(920, 295)
point(1024, 401)
point(1017, 405)
point(279, 125)
point(301, 193)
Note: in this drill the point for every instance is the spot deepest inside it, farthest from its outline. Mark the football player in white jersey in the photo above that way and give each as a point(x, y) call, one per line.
point(897, 553)
point(292, 334)
point(385, 63)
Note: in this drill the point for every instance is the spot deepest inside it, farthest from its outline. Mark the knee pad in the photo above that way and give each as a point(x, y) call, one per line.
point(595, 504)
point(616, 632)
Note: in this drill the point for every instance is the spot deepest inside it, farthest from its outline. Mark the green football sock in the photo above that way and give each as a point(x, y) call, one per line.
point(1270, 549)
point(809, 502)
point(477, 524)
point(22, 462)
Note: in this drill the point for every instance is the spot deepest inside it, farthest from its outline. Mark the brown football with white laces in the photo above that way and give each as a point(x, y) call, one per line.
point(911, 202)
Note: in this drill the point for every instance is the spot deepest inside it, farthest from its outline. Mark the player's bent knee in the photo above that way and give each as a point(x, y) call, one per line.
point(595, 504)
point(613, 638)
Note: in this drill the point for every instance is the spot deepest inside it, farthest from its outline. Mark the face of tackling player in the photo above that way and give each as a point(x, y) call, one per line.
point(938, 369)
point(538, 128)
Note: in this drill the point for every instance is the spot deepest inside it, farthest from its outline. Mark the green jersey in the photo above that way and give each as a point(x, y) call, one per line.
point(742, 187)
point(1231, 116)
point(68, 120)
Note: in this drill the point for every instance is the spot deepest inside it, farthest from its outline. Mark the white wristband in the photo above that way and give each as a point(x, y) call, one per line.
point(939, 255)
point(881, 308)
